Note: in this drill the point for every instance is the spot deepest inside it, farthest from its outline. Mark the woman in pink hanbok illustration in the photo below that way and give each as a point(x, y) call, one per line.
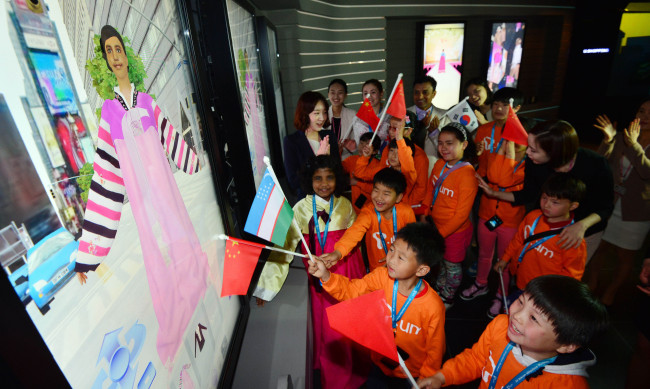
point(133, 143)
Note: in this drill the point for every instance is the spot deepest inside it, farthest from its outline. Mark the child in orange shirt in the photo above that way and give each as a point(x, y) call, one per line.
point(451, 190)
point(488, 136)
point(403, 155)
point(418, 314)
point(530, 258)
point(498, 220)
point(541, 344)
point(379, 221)
point(361, 188)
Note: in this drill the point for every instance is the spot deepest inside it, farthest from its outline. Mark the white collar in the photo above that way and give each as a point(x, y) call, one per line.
point(128, 102)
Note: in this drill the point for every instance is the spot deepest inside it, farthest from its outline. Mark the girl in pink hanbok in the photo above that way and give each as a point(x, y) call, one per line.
point(133, 143)
point(323, 217)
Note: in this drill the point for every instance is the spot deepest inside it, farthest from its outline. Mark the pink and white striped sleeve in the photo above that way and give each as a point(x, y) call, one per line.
point(173, 143)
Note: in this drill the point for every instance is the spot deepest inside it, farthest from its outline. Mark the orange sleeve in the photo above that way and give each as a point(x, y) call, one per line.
point(384, 157)
point(422, 169)
point(481, 133)
point(355, 233)
point(501, 171)
point(349, 163)
point(435, 342)
point(343, 288)
point(365, 169)
point(575, 260)
point(467, 365)
point(467, 188)
point(407, 166)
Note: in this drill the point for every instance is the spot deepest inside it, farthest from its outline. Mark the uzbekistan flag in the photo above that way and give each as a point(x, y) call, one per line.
point(270, 215)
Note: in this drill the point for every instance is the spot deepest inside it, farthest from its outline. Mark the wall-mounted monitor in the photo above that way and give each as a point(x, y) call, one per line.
point(443, 60)
point(506, 48)
point(54, 82)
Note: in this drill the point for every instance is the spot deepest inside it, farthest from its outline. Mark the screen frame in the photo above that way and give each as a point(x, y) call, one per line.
point(420, 44)
point(488, 47)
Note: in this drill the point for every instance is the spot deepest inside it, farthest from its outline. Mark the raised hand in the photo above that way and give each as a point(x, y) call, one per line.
point(606, 127)
point(324, 146)
point(632, 134)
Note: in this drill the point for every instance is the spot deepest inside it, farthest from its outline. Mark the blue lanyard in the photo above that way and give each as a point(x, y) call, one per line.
point(381, 235)
point(397, 317)
point(514, 171)
point(492, 150)
point(327, 224)
point(440, 177)
point(537, 243)
point(522, 374)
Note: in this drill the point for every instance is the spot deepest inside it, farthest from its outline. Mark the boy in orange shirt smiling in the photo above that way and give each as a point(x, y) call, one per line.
point(542, 343)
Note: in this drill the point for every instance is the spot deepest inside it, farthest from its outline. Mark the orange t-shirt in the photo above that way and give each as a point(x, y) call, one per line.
point(420, 332)
point(455, 199)
point(417, 182)
point(480, 361)
point(367, 224)
point(484, 135)
point(362, 187)
point(547, 258)
point(501, 174)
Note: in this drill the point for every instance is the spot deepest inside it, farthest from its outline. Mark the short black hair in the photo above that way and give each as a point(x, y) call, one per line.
point(391, 178)
point(564, 186)
point(340, 82)
point(376, 143)
point(425, 240)
point(576, 315)
point(409, 143)
point(321, 162)
point(504, 95)
point(424, 79)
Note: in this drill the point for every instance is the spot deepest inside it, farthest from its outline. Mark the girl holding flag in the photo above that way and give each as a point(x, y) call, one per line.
point(451, 190)
point(323, 216)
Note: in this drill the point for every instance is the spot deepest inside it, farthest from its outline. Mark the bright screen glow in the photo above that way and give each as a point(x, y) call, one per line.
point(443, 56)
point(54, 82)
point(505, 54)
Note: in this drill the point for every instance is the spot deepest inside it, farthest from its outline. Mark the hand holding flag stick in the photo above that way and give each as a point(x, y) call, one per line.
point(267, 161)
point(390, 99)
point(226, 237)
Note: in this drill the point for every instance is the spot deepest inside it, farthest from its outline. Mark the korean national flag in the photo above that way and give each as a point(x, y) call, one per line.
point(462, 113)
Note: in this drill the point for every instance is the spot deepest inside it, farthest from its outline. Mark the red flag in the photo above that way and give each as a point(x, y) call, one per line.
point(238, 267)
point(367, 114)
point(365, 320)
point(397, 108)
point(514, 130)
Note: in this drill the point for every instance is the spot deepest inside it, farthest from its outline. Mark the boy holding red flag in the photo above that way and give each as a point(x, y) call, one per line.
point(417, 312)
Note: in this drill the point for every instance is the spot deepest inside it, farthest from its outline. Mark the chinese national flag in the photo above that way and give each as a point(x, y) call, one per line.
point(239, 263)
point(514, 130)
point(365, 320)
point(367, 114)
point(397, 108)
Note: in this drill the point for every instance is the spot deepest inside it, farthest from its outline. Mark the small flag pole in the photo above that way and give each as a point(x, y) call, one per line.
point(226, 237)
point(503, 291)
point(383, 114)
point(408, 373)
point(267, 161)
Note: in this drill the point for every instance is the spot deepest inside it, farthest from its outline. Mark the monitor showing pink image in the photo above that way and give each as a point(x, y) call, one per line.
point(506, 48)
point(443, 59)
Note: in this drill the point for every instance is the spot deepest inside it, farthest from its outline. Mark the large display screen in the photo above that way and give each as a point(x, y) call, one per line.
point(506, 48)
point(443, 58)
point(129, 295)
point(53, 82)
